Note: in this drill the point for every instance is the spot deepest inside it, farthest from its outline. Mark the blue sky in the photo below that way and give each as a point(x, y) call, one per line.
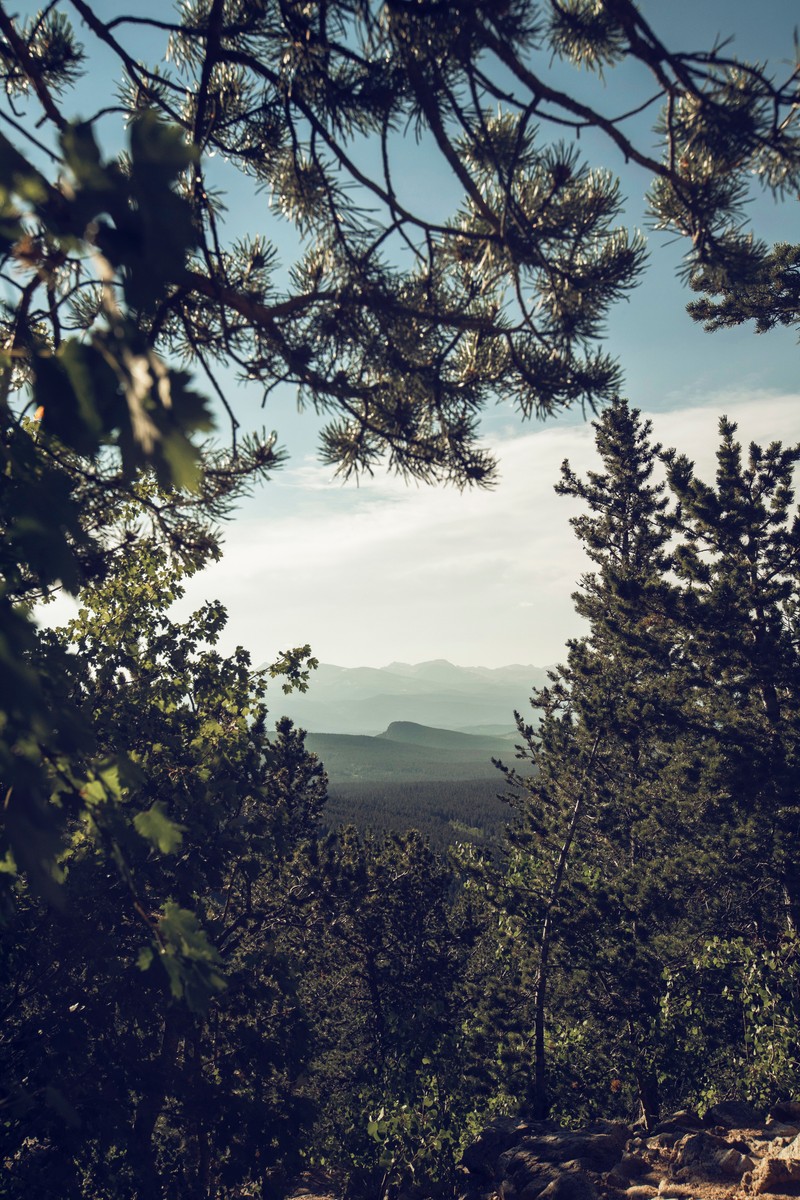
point(385, 572)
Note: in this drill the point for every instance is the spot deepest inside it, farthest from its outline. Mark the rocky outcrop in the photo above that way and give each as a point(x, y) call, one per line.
point(732, 1153)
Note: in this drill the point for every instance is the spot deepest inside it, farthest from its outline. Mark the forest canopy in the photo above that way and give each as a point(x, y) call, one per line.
point(141, 795)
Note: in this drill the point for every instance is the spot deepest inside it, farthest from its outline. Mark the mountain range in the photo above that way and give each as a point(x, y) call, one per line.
point(366, 700)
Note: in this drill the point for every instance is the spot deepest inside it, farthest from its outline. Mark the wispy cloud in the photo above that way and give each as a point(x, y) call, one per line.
point(386, 571)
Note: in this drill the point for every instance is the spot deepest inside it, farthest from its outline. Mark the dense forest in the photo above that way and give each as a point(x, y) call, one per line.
point(207, 982)
point(445, 812)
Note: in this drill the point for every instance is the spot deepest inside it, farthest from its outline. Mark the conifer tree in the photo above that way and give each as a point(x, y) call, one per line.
point(662, 825)
point(737, 558)
point(592, 836)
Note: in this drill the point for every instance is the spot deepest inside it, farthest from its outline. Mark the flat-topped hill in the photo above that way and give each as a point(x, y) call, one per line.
point(470, 745)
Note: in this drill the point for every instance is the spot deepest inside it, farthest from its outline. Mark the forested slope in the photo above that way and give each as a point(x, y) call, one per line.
point(439, 781)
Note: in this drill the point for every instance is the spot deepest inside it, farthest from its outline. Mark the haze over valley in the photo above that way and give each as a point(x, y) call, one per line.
point(365, 700)
point(413, 744)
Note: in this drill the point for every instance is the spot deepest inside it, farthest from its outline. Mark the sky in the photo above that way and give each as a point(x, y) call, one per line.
point(385, 571)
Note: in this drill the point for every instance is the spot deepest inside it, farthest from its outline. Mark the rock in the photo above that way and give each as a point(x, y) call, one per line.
point(775, 1175)
point(734, 1163)
point(525, 1176)
point(632, 1165)
point(570, 1185)
point(701, 1150)
point(480, 1157)
point(590, 1150)
point(792, 1151)
point(665, 1140)
point(681, 1121)
point(734, 1114)
point(786, 1110)
point(779, 1130)
point(641, 1191)
point(616, 1179)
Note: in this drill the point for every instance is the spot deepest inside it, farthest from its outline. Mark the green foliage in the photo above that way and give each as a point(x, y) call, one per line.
point(386, 990)
point(158, 829)
point(768, 980)
point(167, 987)
point(505, 295)
point(446, 812)
point(283, 986)
point(417, 1140)
point(663, 817)
point(106, 408)
point(192, 965)
point(115, 269)
point(766, 292)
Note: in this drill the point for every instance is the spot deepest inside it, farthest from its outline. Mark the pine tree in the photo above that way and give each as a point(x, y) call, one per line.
point(656, 846)
point(593, 837)
point(737, 559)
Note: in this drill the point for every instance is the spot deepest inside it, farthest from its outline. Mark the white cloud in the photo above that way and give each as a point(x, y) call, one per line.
point(387, 571)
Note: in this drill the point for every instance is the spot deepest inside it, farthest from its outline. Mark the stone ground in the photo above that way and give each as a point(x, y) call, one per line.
point(732, 1153)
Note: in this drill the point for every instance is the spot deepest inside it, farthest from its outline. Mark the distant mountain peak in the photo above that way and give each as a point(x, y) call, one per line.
point(415, 734)
point(436, 693)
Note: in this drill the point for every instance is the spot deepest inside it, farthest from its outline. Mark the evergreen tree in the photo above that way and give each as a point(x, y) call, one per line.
point(737, 559)
point(590, 848)
point(661, 827)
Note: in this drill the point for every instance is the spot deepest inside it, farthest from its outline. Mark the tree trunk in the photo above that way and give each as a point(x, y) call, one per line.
point(647, 1085)
point(151, 1105)
point(541, 1101)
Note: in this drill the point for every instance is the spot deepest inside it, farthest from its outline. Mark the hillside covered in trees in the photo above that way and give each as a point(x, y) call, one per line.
point(207, 985)
point(441, 782)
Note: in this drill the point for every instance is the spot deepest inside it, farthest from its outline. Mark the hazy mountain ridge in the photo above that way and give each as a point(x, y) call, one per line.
point(459, 741)
point(439, 694)
point(407, 751)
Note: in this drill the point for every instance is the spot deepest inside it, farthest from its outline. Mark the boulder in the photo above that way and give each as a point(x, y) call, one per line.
point(700, 1151)
point(780, 1129)
point(775, 1175)
point(734, 1114)
point(615, 1179)
point(665, 1140)
point(632, 1166)
point(786, 1110)
point(524, 1175)
point(596, 1148)
point(734, 1163)
point(681, 1121)
point(480, 1157)
point(792, 1151)
point(569, 1185)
